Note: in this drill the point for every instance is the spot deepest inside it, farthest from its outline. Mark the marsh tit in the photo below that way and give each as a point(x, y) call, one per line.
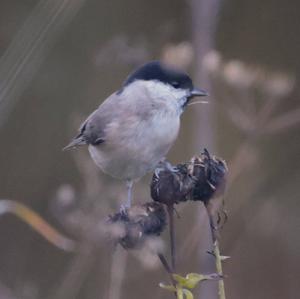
point(134, 128)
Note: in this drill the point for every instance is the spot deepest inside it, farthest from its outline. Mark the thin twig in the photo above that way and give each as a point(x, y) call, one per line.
point(170, 209)
point(164, 263)
point(166, 266)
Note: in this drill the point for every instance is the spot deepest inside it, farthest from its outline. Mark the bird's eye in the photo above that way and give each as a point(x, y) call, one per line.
point(175, 84)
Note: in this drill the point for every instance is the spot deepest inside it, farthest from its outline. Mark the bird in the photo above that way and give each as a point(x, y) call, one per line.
point(131, 132)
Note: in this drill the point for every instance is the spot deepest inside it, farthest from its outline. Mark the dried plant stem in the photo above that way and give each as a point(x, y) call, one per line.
point(164, 263)
point(218, 257)
point(166, 266)
point(168, 269)
point(221, 286)
point(170, 209)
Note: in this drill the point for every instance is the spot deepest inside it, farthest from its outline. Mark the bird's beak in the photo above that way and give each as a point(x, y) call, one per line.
point(198, 93)
point(195, 92)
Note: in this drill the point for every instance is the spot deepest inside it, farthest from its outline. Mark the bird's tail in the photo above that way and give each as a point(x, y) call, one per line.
point(77, 141)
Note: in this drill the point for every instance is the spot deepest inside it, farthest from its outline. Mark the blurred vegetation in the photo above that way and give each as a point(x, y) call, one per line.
point(60, 59)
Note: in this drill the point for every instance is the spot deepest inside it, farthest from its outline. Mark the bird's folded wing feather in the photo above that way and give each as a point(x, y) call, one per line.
point(115, 113)
point(92, 130)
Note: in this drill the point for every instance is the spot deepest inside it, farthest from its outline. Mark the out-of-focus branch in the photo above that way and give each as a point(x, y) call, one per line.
point(117, 273)
point(77, 272)
point(170, 209)
point(37, 223)
point(244, 89)
point(283, 122)
point(30, 46)
point(204, 20)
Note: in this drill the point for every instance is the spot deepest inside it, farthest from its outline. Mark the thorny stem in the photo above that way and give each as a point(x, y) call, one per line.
point(221, 286)
point(170, 209)
point(216, 251)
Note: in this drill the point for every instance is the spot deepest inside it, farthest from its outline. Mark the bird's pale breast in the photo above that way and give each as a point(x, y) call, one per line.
point(138, 144)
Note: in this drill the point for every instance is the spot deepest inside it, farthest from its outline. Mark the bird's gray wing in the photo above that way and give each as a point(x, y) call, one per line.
point(92, 130)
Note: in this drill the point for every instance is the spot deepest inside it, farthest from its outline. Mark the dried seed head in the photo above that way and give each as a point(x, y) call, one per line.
point(171, 185)
point(138, 223)
point(210, 175)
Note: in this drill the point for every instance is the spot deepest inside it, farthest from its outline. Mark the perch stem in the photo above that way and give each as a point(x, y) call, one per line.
point(172, 237)
point(166, 267)
point(164, 263)
point(221, 286)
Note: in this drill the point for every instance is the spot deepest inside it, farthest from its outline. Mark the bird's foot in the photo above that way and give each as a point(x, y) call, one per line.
point(165, 165)
point(124, 208)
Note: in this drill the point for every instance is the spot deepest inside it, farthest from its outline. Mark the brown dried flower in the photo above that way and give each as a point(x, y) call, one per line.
point(171, 185)
point(210, 175)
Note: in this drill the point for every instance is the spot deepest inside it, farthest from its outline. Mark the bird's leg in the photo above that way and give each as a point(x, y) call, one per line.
point(129, 184)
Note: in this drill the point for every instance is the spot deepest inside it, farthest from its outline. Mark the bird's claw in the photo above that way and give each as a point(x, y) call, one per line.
point(165, 165)
point(123, 209)
point(171, 168)
point(157, 171)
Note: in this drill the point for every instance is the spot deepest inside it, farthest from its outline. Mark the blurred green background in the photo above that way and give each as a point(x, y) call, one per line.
point(60, 59)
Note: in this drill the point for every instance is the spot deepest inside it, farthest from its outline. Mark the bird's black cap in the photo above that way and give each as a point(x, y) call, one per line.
point(156, 70)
